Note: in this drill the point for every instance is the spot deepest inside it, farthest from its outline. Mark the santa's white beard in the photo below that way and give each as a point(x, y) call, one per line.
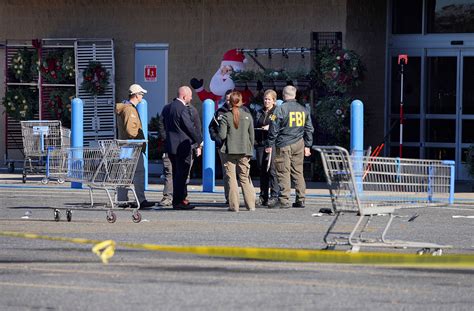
point(221, 83)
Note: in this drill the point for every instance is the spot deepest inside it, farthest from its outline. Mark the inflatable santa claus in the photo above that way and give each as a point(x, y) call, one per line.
point(232, 60)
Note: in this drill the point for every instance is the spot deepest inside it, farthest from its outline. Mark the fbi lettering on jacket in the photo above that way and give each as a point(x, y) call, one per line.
point(297, 118)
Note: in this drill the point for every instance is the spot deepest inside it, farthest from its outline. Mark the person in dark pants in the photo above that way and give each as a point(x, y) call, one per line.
point(181, 134)
point(167, 199)
point(268, 178)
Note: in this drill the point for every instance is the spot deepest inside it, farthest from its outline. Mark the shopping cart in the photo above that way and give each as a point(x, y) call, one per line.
point(109, 166)
point(38, 138)
point(376, 186)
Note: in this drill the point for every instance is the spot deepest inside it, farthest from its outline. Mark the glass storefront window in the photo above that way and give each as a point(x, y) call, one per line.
point(407, 16)
point(441, 85)
point(468, 131)
point(411, 87)
point(440, 131)
point(468, 83)
point(411, 130)
point(439, 153)
point(408, 152)
point(450, 16)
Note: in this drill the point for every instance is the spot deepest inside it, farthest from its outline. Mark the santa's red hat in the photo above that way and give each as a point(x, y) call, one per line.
point(234, 58)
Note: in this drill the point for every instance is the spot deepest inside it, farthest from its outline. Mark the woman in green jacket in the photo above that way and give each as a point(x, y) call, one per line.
point(236, 128)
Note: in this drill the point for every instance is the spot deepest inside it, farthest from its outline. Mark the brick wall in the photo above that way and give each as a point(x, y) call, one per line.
point(365, 33)
point(199, 32)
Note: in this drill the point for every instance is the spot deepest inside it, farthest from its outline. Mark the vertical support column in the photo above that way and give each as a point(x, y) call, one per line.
point(209, 149)
point(77, 129)
point(452, 168)
point(357, 140)
point(142, 108)
point(430, 183)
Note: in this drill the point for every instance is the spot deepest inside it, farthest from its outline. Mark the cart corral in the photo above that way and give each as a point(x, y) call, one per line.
point(367, 187)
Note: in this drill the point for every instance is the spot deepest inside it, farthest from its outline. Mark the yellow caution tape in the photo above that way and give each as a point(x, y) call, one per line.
point(105, 249)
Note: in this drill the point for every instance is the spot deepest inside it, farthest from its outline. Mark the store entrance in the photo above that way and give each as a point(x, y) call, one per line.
point(439, 105)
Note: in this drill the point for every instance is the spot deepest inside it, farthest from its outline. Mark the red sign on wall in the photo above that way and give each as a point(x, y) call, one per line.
point(150, 73)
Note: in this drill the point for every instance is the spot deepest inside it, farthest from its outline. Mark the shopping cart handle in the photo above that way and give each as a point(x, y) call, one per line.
point(127, 141)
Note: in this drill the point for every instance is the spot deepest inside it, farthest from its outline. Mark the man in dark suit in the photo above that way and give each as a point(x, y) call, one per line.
point(181, 135)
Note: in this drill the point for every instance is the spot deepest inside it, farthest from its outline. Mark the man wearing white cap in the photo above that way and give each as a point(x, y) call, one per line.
point(130, 127)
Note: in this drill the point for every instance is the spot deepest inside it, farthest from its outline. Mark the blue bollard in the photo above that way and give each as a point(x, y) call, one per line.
point(357, 140)
point(209, 149)
point(77, 130)
point(452, 166)
point(142, 108)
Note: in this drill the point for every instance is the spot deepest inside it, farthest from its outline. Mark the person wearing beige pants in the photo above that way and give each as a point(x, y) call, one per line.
point(238, 166)
point(236, 129)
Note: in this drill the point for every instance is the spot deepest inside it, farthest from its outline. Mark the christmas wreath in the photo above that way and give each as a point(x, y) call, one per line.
point(95, 78)
point(59, 105)
point(338, 70)
point(20, 103)
point(20, 68)
point(58, 67)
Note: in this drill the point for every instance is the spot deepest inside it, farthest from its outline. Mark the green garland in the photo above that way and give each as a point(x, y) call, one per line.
point(95, 78)
point(58, 67)
point(338, 70)
point(21, 68)
point(20, 103)
point(59, 105)
point(332, 117)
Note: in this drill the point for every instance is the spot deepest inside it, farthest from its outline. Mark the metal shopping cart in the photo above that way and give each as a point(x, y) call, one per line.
point(109, 166)
point(38, 138)
point(376, 186)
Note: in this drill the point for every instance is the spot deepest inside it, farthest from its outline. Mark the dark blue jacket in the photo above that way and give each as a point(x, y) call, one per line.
point(290, 122)
point(181, 131)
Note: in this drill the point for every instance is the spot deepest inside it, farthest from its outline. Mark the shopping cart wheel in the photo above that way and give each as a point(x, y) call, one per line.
point(44, 181)
point(136, 217)
point(423, 251)
point(68, 215)
point(60, 180)
point(111, 217)
point(57, 215)
point(11, 167)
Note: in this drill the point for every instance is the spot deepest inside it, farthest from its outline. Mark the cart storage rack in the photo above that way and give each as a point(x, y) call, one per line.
point(109, 166)
point(376, 186)
point(38, 137)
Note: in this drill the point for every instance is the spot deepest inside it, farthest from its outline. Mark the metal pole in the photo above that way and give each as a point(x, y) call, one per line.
point(77, 129)
point(209, 149)
point(402, 60)
point(142, 108)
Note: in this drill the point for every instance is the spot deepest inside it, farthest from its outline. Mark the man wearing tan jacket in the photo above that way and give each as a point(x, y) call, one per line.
point(130, 127)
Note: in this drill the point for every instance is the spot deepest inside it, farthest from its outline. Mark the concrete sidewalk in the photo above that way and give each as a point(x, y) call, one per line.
point(463, 190)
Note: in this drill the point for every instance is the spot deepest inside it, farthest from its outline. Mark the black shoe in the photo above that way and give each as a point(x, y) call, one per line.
point(182, 206)
point(146, 205)
point(326, 210)
point(261, 202)
point(278, 204)
point(299, 204)
point(272, 201)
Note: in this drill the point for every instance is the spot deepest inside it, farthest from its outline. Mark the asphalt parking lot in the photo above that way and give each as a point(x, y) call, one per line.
point(52, 275)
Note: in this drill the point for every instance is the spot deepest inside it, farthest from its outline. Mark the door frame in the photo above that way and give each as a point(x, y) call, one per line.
point(424, 53)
